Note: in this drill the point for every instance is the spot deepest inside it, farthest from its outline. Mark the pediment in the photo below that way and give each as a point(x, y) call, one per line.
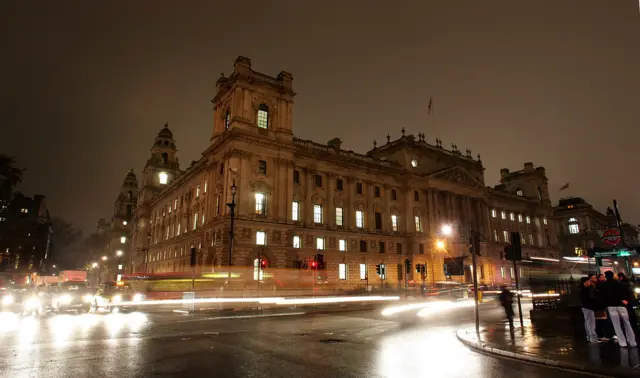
point(457, 175)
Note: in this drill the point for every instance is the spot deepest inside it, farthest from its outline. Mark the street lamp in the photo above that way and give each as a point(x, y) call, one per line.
point(440, 244)
point(94, 265)
point(446, 230)
point(232, 213)
point(104, 258)
point(119, 253)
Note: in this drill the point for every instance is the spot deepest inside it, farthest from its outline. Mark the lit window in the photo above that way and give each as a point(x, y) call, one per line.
point(260, 203)
point(512, 217)
point(342, 245)
point(574, 228)
point(342, 271)
point(494, 213)
point(263, 116)
point(519, 192)
point(505, 234)
point(414, 163)
point(544, 220)
point(178, 233)
point(495, 235)
point(513, 273)
point(520, 218)
point(317, 213)
point(296, 241)
point(320, 243)
point(261, 238)
point(123, 239)
point(522, 239)
point(198, 191)
point(339, 216)
point(394, 222)
point(295, 211)
point(205, 186)
point(528, 219)
point(202, 220)
point(227, 120)
point(163, 177)
point(531, 239)
point(169, 208)
point(503, 215)
point(175, 204)
point(195, 221)
point(418, 223)
point(502, 272)
point(359, 219)
point(363, 271)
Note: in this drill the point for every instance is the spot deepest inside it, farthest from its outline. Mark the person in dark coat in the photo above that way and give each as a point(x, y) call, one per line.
point(506, 300)
point(588, 300)
point(631, 300)
point(614, 295)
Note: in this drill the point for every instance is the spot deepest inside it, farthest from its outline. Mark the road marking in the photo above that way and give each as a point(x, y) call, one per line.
point(241, 317)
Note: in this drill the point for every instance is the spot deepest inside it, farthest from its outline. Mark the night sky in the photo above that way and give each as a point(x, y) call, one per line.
point(86, 85)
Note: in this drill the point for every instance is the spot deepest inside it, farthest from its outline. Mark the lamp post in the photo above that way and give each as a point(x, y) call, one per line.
point(104, 259)
point(232, 213)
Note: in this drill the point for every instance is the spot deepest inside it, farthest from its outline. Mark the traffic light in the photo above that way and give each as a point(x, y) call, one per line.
point(320, 262)
point(263, 264)
point(417, 268)
point(378, 269)
point(193, 256)
point(423, 269)
point(407, 264)
point(314, 264)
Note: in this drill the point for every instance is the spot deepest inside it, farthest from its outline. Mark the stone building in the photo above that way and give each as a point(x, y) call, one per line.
point(300, 203)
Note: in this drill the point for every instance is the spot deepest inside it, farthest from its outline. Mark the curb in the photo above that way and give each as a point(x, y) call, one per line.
point(603, 371)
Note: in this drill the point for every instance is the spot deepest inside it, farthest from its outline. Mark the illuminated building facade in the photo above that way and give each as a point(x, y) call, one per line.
point(301, 203)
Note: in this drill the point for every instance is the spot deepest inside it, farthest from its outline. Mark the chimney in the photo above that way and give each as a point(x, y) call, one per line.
point(242, 66)
point(504, 172)
point(335, 143)
point(528, 166)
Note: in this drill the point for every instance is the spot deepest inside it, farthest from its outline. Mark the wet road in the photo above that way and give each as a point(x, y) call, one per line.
point(350, 344)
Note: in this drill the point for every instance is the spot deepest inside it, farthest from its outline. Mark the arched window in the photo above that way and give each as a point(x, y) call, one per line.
point(574, 228)
point(519, 192)
point(165, 158)
point(130, 195)
point(227, 120)
point(262, 118)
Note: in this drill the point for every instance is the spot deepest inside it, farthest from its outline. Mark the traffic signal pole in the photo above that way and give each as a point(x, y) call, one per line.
point(474, 268)
point(515, 270)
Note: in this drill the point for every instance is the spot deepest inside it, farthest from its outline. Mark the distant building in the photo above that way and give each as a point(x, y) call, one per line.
point(25, 235)
point(299, 202)
point(581, 227)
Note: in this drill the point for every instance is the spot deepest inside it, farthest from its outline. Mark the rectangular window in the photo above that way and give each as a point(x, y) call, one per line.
point(317, 213)
point(320, 243)
point(522, 239)
point(260, 199)
point(501, 272)
point(494, 213)
point(318, 181)
point(378, 219)
point(513, 273)
point(295, 211)
point(505, 234)
point(528, 220)
point(520, 218)
point(531, 239)
point(262, 167)
point(394, 222)
point(198, 191)
point(339, 216)
point(342, 271)
point(359, 219)
point(376, 191)
point(421, 249)
point(218, 204)
point(418, 223)
point(398, 248)
point(296, 177)
point(261, 238)
point(544, 220)
point(202, 219)
point(169, 208)
point(503, 215)
point(342, 245)
point(574, 228)
point(205, 186)
point(482, 272)
point(416, 196)
point(178, 233)
point(175, 204)
point(495, 235)
point(195, 221)
point(359, 188)
point(363, 271)
point(512, 217)
point(363, 246)
point(296, 241)
point(381, 247)
point(394, 195)
point(339, 184)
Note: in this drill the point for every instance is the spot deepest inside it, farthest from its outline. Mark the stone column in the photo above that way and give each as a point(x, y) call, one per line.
point(431, 213)
point(329, 206)
point(307, 216)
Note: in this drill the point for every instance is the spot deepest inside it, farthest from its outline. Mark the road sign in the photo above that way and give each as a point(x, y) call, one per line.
point(611, 236)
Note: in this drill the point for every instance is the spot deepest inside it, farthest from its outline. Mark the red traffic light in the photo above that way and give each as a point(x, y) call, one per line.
point(263, 263)
point(313, 264)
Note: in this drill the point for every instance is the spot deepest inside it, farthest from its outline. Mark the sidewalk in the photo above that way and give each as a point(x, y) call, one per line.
point(554, 347)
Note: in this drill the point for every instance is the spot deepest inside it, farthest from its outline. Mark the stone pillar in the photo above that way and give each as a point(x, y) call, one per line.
point(348, 210)
point(289, 168)
point(431, 213)
point(307, 216)
point(329, 206)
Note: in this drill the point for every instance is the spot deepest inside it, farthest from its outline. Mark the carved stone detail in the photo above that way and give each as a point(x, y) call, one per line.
point(458, 176)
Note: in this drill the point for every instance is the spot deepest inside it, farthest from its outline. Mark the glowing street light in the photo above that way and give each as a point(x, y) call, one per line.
point(124, 223)
point(119, 253)
point(94, 265)
point(104, 258)
point(440, 244)
point(446, 230)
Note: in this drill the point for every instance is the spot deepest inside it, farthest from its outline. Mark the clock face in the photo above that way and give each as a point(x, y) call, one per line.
point(163, 177)
point(414, 163)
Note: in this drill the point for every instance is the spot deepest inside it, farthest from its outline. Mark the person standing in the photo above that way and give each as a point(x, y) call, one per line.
point(588, 300)
point(614, 297)
point(506, 300)
point(627, 291)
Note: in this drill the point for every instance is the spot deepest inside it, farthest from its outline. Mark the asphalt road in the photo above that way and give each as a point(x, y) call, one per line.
point(348, 344)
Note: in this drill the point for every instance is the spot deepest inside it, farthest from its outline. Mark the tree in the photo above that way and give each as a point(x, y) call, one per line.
point(67, 243)
point(10, 176)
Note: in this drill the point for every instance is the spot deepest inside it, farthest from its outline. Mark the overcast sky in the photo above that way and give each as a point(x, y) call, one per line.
point(86, 85)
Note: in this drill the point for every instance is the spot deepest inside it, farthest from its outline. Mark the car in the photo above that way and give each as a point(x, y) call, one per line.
point(115, 297)
point(71, 296)
point(10, 300)
point(35, 301)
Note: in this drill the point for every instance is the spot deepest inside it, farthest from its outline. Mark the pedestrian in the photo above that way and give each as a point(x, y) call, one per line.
point(588, 300)
point(630, 297)
point(506, 300)
point(604, 327)
point(614, 296)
